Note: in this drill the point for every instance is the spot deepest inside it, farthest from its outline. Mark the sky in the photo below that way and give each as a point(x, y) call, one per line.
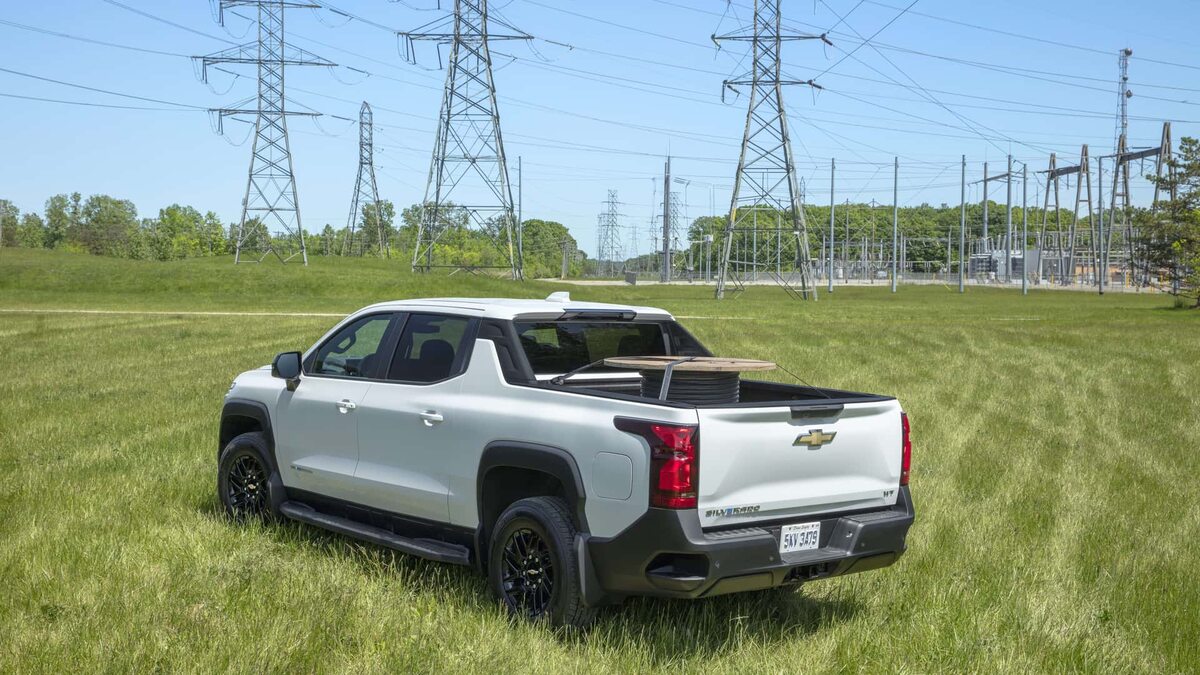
point(594, 102)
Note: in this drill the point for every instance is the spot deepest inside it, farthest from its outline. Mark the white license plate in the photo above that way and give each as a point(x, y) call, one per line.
point(802, 537)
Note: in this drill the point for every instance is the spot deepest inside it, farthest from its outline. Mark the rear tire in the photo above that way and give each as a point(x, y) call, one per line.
point(532, 563)
point(248, 484)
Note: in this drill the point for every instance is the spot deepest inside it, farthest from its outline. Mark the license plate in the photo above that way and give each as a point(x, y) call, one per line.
point(802, 537)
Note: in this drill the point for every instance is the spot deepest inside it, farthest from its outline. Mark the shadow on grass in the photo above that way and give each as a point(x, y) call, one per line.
point(662, 631)
point(666, 631)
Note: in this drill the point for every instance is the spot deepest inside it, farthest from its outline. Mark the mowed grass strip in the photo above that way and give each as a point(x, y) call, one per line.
point(1056, 483)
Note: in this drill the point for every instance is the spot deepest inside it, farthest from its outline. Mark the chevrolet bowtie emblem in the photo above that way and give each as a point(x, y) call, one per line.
point(815, 438)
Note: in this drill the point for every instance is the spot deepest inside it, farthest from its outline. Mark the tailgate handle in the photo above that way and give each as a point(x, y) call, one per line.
point(831, 410)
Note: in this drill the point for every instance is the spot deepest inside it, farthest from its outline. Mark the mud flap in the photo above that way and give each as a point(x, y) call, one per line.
point(589, 584)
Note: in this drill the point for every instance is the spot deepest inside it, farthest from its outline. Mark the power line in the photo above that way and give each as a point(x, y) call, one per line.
point(92, 105)
point(101, 91)
point(864, 43)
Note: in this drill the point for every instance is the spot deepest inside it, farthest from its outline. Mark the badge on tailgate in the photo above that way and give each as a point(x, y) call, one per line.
point(815, 438)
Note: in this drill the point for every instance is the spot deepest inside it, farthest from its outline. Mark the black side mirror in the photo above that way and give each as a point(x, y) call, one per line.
point(286, 366)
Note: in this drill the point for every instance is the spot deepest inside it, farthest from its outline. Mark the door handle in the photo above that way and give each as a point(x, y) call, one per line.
point(431, 417)
point(346, 405)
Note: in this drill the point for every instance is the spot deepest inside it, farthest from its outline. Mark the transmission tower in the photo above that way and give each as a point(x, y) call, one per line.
point(608, 234)
point(1079, 239)
point(366, 191)
point(766, 175)
point(271, 201)
point(468, 162)
point(677, 210)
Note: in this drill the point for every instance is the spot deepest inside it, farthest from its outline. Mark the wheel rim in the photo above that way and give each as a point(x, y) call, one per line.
point(528, 573)
point(247, 489)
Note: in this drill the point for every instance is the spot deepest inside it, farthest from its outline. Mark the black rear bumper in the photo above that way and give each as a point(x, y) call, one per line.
point(665, 553)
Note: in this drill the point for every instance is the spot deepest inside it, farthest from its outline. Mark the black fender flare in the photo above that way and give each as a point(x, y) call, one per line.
point(547, 459)
point(255, 410)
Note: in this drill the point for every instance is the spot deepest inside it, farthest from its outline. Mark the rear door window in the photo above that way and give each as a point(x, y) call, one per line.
point(432, 348)
point(554, 347)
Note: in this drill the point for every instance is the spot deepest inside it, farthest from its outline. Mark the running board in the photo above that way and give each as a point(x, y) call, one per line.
point(430, 549)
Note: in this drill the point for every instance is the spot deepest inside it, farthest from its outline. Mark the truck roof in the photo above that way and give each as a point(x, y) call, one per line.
point(554, 306)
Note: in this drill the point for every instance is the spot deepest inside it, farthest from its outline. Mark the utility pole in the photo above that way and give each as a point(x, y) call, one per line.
point(1102, 262)
point(468, 174)
point(1123, 96)
point(567, 250)
point(1025, 229)
point(832, 175)
point(271, 200)
point(365, 186)
point(665, 275)
point(520, 217)
point(895, 218)
point(1008, 238)
point(962, 229)
point(766, 175)
point(987, 246)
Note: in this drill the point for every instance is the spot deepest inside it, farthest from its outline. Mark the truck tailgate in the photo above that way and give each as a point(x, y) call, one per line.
point(781, 461)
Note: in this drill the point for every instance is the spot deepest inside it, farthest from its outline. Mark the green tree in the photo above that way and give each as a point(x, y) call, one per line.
point(543, 242)
point(9, 219)
point(176, 233)
point(58, 220)
point(1172, 233)
point(373, 216)
point(107, 226)
point(31, 232)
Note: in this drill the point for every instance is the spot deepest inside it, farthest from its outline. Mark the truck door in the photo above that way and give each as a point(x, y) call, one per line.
point(316, 432)
point(410, 426)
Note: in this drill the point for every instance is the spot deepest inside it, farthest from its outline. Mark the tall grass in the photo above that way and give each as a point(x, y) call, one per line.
point(1056, 483)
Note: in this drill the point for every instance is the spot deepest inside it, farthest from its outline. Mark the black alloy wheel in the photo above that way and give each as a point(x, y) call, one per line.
point(528, 575)
point(246, 487)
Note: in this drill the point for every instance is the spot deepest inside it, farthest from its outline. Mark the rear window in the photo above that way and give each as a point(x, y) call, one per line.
point(554, 347)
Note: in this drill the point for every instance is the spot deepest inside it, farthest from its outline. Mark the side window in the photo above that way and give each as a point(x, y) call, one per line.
point(352, 352)
point(431, 348)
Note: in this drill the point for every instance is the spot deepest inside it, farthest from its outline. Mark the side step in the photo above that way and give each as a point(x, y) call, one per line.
point(425, 548)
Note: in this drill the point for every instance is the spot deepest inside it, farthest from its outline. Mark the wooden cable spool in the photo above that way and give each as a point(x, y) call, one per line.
point(697, 380)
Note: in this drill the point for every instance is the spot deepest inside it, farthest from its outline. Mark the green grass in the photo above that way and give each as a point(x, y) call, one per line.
point(1057, 485)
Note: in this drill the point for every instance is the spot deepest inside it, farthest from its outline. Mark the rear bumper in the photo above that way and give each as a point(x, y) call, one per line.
point(666, 554)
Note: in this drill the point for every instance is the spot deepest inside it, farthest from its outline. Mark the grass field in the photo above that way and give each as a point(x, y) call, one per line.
point(1056, 479)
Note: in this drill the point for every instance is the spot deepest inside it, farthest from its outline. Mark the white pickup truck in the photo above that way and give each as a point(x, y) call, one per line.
point(472, 431)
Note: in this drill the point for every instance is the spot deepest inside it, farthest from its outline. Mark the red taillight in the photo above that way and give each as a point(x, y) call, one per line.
point(905, 451)
point(674, 461)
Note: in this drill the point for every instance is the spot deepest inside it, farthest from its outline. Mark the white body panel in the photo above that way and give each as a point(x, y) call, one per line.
point(316, 440)
point(404, 453)
point(748, 459)
point(578, 423)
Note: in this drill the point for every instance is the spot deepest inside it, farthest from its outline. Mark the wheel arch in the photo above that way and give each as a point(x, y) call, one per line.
point(513, 470)
point(239, 416)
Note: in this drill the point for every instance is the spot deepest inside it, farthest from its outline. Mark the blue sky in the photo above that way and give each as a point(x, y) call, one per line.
point(638, 79)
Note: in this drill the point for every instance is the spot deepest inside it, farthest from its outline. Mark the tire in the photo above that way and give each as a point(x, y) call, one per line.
point(543, 585)
point(248, 483)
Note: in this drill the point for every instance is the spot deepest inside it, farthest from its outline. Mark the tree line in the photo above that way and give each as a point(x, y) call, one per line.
point(109, 226)
point(105, 225)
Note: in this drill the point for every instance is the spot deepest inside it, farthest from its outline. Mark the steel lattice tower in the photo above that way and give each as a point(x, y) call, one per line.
point(766, 175)
point(365, 187)
point(608, 236)
point(271, 200)
point(468, 172)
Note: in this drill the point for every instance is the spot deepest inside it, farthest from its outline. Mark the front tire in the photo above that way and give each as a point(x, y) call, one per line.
point(247, 483)
point(532, 563)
